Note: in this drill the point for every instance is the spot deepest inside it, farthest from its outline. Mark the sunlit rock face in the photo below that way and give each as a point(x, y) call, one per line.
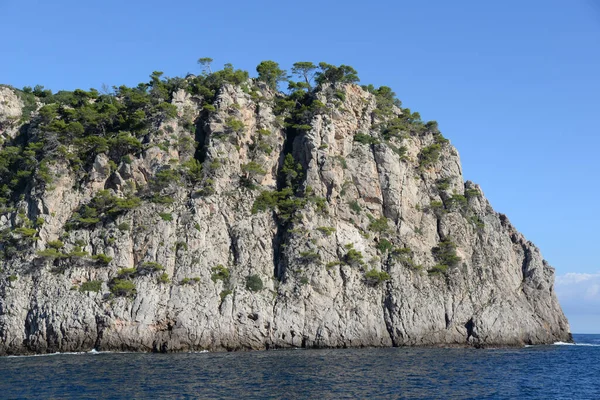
point(239, 224)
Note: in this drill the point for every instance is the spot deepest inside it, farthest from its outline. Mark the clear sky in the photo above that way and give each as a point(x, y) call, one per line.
point(513, 84)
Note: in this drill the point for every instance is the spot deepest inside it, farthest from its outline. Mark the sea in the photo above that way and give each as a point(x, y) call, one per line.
point(559, 371)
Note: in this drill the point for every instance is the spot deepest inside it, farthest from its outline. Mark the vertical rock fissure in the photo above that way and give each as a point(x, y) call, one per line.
point(279, 238)
point(201, 138)
point(291, 135)
point(387, 306)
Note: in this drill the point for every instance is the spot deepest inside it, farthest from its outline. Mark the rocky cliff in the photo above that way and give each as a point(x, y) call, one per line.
point(236, 217)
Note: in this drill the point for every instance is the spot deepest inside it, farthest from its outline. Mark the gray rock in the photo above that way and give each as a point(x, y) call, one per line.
point(498, 293)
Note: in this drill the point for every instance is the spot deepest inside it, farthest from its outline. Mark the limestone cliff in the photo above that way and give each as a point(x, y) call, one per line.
point(239, 223)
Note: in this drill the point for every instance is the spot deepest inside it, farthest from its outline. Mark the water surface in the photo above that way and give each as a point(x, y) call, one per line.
point(537, 372)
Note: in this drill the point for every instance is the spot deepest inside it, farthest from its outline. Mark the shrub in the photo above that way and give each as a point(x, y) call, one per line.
point(342, 162)
point(354, 206)
point(365, 139)
point(443, 184)
point(291, 171)
point(437, 207)
point(402, 252)
point(283, 201)
point(220, 273)
point(254, 283)
point(400, 151)
point(384, 245)
point(224, 293)
point(439, 138)
point(445, 253)
point(235, 125)
point(379, 225)
point(56, 244)
point(253, 168)
point(457, 202)
point(377, 276)
point(162, 199)
point(123, 227)
point(127, 272)
point(149, 267)
point(51, 253)
point(386, 99)
point(432, 125)
point(164, 278)
point(12, 278)
point(122, 288)
point(326, 230)
point(102, 259)
point(353, 258)
point(429, 155)
point(164, 178)
point(215, 164)
point(478, 222)
point(471, 193)
point(166, 216)
point(438, 269)
point(332, 264)
point(302, 127)
point(91, 286)
point(309, 257)
point(26, 233)
point(77, 252)
point(252, 171)
point(193, 170)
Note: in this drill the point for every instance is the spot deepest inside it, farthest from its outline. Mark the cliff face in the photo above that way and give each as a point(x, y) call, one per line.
point(324, 233)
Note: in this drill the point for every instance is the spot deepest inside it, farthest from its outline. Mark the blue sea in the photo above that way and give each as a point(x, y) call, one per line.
point(560, 371)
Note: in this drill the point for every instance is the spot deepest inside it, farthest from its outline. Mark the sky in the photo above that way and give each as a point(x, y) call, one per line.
point(513, 84)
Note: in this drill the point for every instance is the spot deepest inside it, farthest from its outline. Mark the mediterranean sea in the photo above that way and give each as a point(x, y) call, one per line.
point(559, 371)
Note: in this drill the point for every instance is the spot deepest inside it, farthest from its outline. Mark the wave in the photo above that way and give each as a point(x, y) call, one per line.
point(56, 354)
point(91, 352)
point(69, 353)
point(576, 344)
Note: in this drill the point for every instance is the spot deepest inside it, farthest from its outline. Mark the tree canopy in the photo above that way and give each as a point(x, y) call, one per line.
point(270, 73)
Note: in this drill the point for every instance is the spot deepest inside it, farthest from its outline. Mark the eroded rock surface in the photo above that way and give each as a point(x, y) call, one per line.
point(383, 246)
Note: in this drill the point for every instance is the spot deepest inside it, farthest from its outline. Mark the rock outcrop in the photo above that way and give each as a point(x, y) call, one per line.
point(231, 228)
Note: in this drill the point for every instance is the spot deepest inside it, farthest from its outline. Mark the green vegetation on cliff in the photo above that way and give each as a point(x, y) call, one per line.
point(82, 132)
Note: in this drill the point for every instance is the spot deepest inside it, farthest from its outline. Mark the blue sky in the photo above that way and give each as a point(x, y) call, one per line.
point(513, 84)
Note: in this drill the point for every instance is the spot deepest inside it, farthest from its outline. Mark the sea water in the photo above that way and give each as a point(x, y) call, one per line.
point(560, 371)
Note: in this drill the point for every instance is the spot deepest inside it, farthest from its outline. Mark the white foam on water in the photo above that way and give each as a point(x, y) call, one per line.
point(70, 353)
point(576, 344)
point(49, 354)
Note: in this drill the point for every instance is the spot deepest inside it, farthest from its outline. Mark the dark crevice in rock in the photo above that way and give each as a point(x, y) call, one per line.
point(233, 246)
point(201, 138)
point(470, 326)
point(526, 261)
point(388, 311)
point(438, 227)
point(289, 147)
point(277, 241)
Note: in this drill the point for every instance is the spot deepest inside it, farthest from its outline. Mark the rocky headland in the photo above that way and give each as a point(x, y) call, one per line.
point(215, 212)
